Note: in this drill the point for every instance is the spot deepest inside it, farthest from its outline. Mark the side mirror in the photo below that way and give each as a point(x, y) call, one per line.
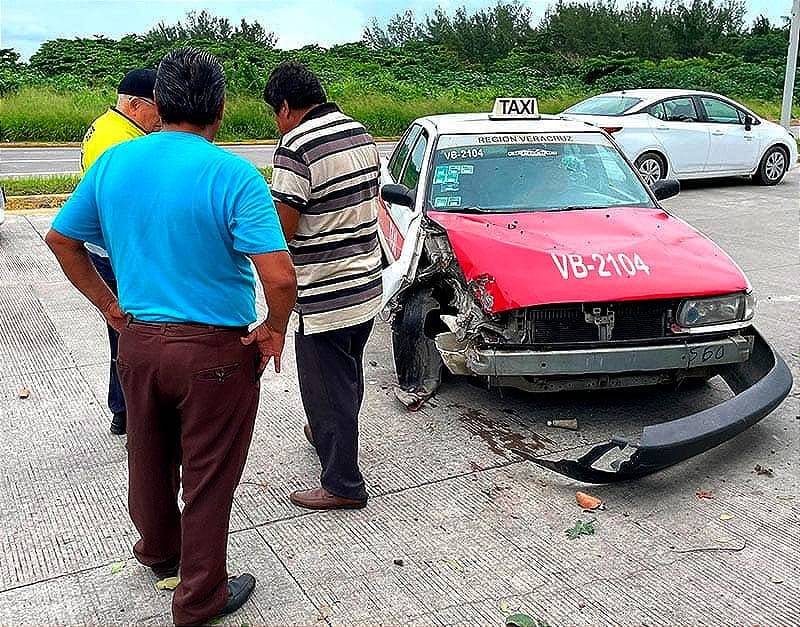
point(666, 188)
point(397, 194)
point(748, 122)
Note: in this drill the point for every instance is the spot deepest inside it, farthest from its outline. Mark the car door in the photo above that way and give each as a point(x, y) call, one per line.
point(675, 123)
point(732, 147)
point(399, 225)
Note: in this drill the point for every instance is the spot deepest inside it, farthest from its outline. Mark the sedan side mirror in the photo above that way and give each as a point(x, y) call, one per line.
point(397, 194)
point(666, 188)
point(748, 122)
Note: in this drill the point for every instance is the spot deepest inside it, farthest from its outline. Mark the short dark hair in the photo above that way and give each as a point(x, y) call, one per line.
point(296, 84)
point(190, 87)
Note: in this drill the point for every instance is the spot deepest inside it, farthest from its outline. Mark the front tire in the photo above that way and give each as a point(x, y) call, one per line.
point(651, 166)
point(773, 166)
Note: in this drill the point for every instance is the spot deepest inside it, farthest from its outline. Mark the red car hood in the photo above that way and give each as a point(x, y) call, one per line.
point(515, 260)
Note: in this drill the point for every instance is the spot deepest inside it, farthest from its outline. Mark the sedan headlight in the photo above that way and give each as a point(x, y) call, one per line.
point(715, 310)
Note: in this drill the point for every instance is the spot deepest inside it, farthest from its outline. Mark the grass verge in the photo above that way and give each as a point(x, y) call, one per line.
point(61, 184)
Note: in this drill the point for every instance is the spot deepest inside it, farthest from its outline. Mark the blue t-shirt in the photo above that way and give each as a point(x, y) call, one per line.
point(178, 217)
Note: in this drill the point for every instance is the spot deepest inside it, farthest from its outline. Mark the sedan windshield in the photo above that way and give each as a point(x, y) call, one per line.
point(604, 105)
point(518, 173)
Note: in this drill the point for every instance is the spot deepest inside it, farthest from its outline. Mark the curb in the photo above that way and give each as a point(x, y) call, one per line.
point(34, 204)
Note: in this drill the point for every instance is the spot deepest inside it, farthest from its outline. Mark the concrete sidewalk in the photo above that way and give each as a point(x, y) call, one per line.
point(458, 531)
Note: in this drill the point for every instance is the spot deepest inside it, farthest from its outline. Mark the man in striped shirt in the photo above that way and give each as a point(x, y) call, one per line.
point(325, 187)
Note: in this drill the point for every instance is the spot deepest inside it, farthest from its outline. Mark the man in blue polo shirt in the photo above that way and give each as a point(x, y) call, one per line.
point(181, 220)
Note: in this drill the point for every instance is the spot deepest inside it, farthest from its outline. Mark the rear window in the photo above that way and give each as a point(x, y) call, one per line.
point(604, 105)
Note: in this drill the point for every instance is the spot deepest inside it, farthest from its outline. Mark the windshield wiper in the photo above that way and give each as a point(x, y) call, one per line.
point(466, 210)
point(576, 208)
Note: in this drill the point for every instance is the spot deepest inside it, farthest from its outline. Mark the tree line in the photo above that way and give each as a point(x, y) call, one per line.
point(498, 38)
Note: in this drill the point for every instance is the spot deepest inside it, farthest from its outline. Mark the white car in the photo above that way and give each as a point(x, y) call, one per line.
point(687, 134)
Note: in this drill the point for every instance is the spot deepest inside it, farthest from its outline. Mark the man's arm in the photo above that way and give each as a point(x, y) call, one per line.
point(289, 217)
point(81, 273)
point(276, 272)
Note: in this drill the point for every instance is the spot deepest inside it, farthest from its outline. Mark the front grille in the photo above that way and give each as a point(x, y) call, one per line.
point(566, 324)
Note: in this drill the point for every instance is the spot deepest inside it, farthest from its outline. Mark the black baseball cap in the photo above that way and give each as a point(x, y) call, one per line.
point(138, 83)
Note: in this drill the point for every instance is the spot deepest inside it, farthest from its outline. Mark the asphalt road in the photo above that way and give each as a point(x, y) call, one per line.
point(459, 530)
point(66, 160)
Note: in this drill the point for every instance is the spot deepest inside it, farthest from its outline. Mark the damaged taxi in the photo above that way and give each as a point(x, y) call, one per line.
point(525, 249)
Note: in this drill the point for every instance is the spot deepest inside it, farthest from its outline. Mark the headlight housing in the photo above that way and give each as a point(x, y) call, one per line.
point(727, 309)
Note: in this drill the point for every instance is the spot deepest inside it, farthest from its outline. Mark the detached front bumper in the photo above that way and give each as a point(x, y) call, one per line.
point(689, 354)
point(759, 385)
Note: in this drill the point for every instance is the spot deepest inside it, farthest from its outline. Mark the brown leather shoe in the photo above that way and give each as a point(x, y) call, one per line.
point(320, 498)
point(308, 434)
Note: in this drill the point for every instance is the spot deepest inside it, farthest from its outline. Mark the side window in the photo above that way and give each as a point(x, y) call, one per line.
point(410, 176)
point(680, 110)
point(401, 152)
point(657, 111)
point(721, 112)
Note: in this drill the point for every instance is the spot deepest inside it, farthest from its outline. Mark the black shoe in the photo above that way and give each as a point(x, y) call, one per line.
point(239, 590)
point(119, 423)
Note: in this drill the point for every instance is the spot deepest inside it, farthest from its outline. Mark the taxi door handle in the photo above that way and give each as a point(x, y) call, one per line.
point(662, 128)
point(717, 132)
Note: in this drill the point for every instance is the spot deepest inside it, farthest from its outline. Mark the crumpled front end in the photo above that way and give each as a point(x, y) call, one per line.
point(448, 322)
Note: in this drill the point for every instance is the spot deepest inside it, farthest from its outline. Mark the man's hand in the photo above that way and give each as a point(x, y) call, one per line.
point(270, 345)
point(114, 316)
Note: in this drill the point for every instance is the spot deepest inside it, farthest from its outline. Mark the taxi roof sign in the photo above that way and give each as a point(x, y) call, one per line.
point(515, 108)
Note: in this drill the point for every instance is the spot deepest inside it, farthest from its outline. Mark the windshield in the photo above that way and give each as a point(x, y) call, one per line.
point(604, 105)
point(535, 172)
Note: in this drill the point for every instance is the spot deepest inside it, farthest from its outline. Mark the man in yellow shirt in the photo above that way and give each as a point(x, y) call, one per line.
point(134, 115)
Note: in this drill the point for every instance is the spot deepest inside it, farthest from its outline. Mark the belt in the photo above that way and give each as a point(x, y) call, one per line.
point(184, 325)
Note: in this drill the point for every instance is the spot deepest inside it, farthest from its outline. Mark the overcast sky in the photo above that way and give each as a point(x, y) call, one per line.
point(25, 24)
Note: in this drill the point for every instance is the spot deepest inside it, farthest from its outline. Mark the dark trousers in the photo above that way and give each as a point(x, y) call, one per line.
point(116, 401)
point(331, 374)
point(192, 395)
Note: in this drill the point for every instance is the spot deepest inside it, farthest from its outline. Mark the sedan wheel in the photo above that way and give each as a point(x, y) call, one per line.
point(772, 166)
point(651, 167)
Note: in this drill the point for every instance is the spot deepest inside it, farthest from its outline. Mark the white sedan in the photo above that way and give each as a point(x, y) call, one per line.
point(687, 134)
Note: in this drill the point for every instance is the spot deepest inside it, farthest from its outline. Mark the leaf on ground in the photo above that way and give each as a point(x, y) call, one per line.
point(763, 470)
point(117, 566)
point(454, 564)
point(581, 528)
point(776, 580)
point(523, 620)
point(504, 606)
point(725, 517)
point(704, 495)
point(216, 621)
point(724, 539)
point(24, 392)
point(785, 497)
point(168, 583)
point(589, 502)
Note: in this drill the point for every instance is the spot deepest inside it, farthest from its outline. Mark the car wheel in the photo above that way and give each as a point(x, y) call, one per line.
point(773, 166)
point(416, 358)
point(651, 166)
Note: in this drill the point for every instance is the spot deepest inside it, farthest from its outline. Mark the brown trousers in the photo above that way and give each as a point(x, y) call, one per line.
point(192, 393)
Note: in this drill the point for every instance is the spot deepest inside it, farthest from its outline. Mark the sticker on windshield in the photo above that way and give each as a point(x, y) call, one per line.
point(447, 201)
point(602, 265)
point(440, 175)
point(536, 152)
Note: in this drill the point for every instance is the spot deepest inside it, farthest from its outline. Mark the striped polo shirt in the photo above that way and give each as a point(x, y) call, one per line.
point(328, 168)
